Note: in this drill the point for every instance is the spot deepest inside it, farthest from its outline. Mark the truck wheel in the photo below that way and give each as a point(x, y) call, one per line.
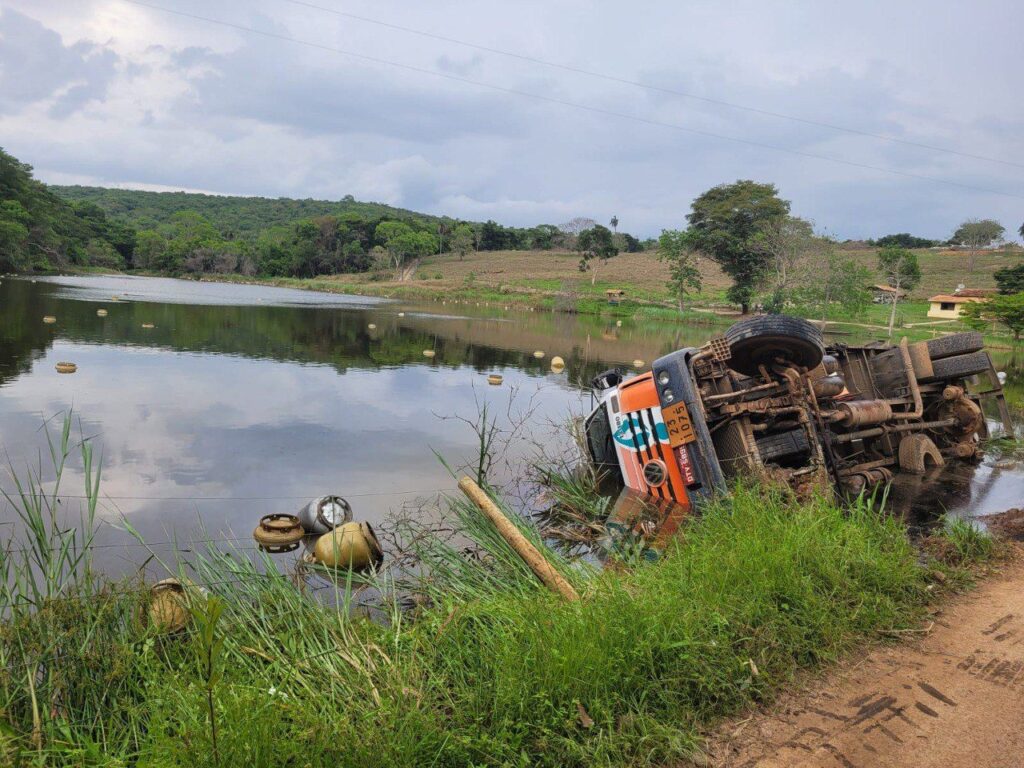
point(764, 339)
point(918, 453)
point(955, 344)
point(961, 366)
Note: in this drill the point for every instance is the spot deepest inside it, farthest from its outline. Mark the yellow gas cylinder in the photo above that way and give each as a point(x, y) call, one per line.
point(351, 545)
point(167, 608)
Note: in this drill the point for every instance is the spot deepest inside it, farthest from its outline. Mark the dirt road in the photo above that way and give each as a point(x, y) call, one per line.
point(952, 697)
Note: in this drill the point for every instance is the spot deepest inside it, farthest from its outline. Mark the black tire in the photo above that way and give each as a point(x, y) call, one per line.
point(955, 344)
point(761, 340)
point(917, 454)
point(961, 366)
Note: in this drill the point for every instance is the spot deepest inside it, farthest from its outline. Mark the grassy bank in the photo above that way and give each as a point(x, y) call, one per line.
point(490, 669)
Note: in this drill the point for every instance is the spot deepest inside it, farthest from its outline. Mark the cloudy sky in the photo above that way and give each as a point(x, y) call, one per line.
point(111, 92)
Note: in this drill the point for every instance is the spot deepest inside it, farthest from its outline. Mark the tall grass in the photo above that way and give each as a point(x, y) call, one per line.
point(490, 669)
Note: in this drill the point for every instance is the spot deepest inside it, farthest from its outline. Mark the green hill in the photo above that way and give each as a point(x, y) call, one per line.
point(41, 231)
point(49, 228)
point(234, 217)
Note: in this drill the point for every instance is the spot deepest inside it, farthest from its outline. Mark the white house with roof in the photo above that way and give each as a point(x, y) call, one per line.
point(951, 305)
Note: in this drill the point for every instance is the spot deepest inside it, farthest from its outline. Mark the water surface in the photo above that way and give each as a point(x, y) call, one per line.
point(244, 400)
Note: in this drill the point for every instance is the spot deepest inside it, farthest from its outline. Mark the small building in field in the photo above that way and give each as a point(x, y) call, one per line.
point(883, 294)
point(615, 295)
point(951, 305)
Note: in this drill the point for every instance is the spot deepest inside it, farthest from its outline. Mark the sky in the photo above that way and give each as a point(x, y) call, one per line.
point(257, 98)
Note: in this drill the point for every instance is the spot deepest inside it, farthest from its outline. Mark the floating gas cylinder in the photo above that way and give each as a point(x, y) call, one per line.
point(352, 545)
point(324, 514)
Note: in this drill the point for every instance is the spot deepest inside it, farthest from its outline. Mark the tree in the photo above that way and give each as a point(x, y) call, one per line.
point(614, 224)
point(392, 235)
point(405, 247)
point(675, 249)
point(901, 271)
point(792, 252)
point(354, 257)
point(724, 223)
point(495, 237)
point(905, 240)
point(39, 230)
point(975, 234)
point(1010, 279)
point(596, 247)
point(543, 236)
point(1008, 310)
point(461, 240)
point(577, 225)
point(443, 228)
point(837, 281)
point(13, 234)
point(101, 253)
point(573, 228)
point(1021, 230)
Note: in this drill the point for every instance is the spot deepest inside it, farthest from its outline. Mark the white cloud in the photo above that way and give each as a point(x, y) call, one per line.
point(143, 98)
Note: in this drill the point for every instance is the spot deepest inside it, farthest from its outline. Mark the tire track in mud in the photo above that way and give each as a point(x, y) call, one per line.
point(953, 698)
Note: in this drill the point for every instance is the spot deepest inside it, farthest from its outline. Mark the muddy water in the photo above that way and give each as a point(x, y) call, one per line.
point(241, 400)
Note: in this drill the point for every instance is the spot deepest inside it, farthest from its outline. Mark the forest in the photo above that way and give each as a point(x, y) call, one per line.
point(40, 231)
point(48, 228)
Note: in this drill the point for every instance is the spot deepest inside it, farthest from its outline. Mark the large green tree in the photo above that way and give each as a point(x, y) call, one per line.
point(405, 246)
point(975, 234)
point(1010, 279)
point(596, 247)
point(725, 223)
point(902, 273)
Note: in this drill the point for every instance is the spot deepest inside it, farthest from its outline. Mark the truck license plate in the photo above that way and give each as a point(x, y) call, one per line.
point(677, 420)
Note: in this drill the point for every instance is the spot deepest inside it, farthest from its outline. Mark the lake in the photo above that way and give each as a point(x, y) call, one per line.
point(244, 400)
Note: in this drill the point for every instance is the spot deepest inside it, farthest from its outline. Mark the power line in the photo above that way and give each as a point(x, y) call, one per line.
point(649, 87)
point(572, 104)
point(14, 495)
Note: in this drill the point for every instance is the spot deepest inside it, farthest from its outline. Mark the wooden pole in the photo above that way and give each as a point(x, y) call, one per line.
point(537, 562)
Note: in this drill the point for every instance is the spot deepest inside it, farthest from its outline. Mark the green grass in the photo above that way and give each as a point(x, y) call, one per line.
point(1004, 447)
point(491, 669)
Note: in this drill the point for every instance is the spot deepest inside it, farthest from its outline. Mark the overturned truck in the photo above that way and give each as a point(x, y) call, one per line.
point(770, 399)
